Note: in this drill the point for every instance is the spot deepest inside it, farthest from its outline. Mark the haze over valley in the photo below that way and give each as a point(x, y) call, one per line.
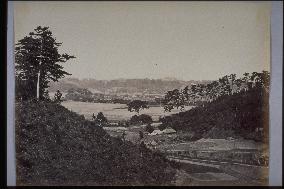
point(147, 89)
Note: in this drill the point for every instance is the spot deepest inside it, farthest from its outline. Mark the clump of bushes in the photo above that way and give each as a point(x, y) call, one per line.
point(100, 119)
point(149, 128)
point(58, 97)
point(55, 146)
point(162, 127)
point(143, 118)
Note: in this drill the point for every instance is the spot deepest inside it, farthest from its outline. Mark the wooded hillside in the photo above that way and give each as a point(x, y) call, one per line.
point(56, 146)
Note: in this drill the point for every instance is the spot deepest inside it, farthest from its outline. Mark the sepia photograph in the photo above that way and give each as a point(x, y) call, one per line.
point(124, 93)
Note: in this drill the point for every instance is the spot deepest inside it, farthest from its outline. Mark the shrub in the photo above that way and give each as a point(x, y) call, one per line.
point(162, 127)
point(134, 119)
point(57, 97)
point(149, 128)
point(137, 105)
point(143, 118)
point(101, 120)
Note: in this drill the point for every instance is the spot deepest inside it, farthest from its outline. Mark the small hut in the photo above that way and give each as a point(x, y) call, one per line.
point(156, 132)
point(169, 131)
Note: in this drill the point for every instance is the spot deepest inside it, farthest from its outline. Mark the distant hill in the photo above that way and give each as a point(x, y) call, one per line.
point(243, 114)
point(156, 86)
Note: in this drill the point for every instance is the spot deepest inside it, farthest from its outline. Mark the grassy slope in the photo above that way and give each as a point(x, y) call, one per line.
point(237, 115)
point(57, 147)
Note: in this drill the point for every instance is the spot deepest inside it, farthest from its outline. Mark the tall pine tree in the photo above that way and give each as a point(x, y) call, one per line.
point(37, 63)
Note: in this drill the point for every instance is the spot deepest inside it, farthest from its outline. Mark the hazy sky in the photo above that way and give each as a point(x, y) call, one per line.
point(185, 40)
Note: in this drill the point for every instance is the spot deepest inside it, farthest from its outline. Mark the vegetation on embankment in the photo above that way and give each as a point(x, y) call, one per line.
point(57, 147)
point(244, 114)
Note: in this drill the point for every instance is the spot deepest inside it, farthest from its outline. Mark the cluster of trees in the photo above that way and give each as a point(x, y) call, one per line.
point(37, 62)
point(100, 119)
point(143, 118)
point(137, 105)
point(226, 85)
point(241, 114)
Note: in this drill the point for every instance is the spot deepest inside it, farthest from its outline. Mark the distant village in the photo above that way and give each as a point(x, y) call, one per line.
point(110, 96)
point(117, 91)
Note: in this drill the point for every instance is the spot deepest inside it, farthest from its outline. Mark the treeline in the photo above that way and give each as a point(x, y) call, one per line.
point(196, 94)
point(242, 112)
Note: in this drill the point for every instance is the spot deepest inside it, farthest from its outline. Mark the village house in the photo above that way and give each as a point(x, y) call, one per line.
point(169, 131)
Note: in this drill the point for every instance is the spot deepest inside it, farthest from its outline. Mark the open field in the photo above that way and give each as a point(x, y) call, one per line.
point(114, 112)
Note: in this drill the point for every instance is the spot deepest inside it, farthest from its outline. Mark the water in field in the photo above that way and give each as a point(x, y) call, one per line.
point(114, 112)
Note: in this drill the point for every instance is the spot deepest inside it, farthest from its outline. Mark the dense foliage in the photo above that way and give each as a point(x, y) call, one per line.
point(37, 62)
point(149, 128)
point(57, 147)
point(100, 120)
point(226, 85)
point(243, 114)
point(137, 105)
point(143, 118)
point(57, 97)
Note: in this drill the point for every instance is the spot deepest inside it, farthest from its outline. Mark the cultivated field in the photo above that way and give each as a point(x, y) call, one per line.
point(113, 112)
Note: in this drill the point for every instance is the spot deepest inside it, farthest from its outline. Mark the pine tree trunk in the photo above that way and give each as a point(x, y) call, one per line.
point(38, 74)
point(37, 85)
